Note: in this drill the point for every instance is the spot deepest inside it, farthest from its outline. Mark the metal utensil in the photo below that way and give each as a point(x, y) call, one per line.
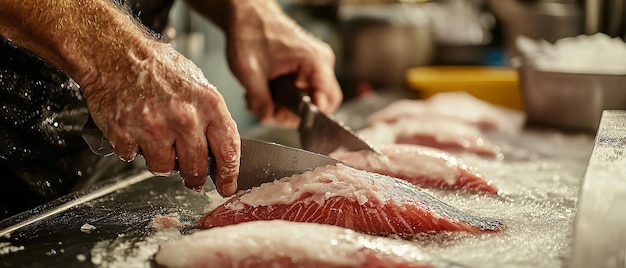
point(319, 133)
point(572, 101)
point(260, 161)
point(263, 162)
point(96, 141)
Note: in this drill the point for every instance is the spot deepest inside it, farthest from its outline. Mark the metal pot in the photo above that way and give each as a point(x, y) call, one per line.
point(605, 16)
point(382, 41)
point(547, 20)
point(572, 101)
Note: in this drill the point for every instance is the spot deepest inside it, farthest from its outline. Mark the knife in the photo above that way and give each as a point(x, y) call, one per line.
point(319, 132)
point(263, 162)
point(260, 161)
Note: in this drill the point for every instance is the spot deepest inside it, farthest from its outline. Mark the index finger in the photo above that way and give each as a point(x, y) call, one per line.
point(225, 144)
point(326, 92)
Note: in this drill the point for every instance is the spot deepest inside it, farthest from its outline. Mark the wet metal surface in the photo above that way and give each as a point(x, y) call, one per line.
point(121, 213)
point(539, 175)
point(539, 178)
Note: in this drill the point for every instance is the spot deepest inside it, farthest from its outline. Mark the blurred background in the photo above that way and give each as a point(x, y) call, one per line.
point(378, 42)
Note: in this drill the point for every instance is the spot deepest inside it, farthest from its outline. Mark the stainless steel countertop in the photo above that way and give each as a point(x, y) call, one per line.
point(121, 211)
point(540, 176)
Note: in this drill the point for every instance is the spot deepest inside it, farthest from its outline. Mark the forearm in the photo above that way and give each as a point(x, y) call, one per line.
point(87, 39)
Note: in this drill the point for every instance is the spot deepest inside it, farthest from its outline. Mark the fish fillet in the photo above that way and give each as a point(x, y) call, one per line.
point(458, 106)
point(347, 197)
point(288, 244)
point(419, 165)
point(438, 133)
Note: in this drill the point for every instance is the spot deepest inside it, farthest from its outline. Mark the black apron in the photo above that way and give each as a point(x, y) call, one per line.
point(42, 112)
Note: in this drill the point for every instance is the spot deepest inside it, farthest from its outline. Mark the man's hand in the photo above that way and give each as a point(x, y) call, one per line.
point(263, 44)
point(141, 93)
point(163, 107)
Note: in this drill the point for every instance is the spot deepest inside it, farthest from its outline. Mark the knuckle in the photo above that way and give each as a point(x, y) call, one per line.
point(151, 124)
point(186, 119)
point(209, 100)
point(214, 100)
point(326, 51)
point(229, 174)
point(229, 153)
point(228, 169)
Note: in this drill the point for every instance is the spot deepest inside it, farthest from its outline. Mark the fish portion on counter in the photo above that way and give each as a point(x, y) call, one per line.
point(343, 196)
point(419, 165)
point(433, 132)
point(449, 121)
point(280, 243)
point(456, 106)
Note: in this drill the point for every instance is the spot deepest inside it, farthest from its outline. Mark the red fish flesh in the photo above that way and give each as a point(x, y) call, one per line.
point(347, 197)
point(458, 106)
point(438, 133)
point(419, 165)
point(291, 244)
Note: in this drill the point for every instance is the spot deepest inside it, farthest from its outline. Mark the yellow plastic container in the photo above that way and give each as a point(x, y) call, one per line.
point(498, 85)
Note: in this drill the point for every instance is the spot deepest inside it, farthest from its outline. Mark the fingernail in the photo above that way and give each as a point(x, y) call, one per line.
point(163, 174)
point(127, 158)
point(229, 189)
point(196, 188)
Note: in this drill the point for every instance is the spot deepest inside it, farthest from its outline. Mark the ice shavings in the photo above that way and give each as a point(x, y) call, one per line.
point(6, 248)
point(540, 181)
point(592, 54)
point(318, 186)
point(215, 200)
point(114, 253)
point(136, 248)
point(87, 228)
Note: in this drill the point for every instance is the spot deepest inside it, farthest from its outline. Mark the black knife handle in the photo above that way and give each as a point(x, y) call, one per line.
point(285, 93)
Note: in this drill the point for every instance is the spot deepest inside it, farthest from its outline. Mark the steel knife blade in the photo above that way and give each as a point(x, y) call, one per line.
point(263, 162)
point(319, 132)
